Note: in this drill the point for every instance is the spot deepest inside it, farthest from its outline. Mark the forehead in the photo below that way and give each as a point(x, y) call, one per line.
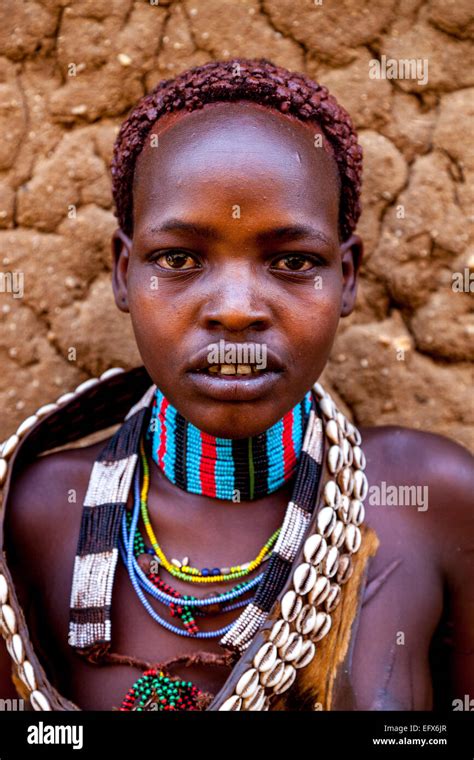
point(243, 150)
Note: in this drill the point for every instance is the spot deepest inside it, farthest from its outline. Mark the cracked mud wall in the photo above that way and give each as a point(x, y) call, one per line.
point(404, 357)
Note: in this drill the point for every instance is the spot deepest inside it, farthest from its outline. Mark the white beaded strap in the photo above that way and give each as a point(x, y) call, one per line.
point(8, 621)
point(304, 616)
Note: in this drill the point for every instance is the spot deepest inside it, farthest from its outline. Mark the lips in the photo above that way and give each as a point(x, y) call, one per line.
point(235, 387)
point(234, 382)
point(200, 363)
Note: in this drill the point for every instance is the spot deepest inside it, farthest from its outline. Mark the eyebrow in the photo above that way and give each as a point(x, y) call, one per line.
point(285, 233)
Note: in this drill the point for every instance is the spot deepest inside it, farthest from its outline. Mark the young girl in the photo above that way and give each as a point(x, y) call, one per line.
point(217, 554)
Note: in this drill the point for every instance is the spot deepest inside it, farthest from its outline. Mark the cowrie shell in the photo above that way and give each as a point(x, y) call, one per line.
point(325, 521)
point(233, 704)
point(39, 701)
point(338, 534)
point(315, 549)
point(333, 598)
point(292, 648)
point(323, 626)
point(291, 605)
point(330, 562)
point(332, 494)
point(266, 657)
point(9, 618)
point(357, 512)
point(26, 425)
point(65, 398)
point(359, 458)
point(332, 431)
point(308, 650)
point(10, 445)
point(3, 589)
point(288, 676)
point(319, 390)
point(327, 407)
point(335, 459)
point(344, 509)
point(27, 674)
point(45, 409)
point(273, 676)
point(111, 373)
point(345, 480)
point(320, 591)
point(247, 683)
point(15, 648)
point(86, 385)
point(306, 620)
point(347, 453)
point(344, 569)
point(280, 632)
point(361, 485)
point(3, 471)
point(304, 578)
point(353, 538)
point(255, 701)
point(342, 421)
point(354, 435)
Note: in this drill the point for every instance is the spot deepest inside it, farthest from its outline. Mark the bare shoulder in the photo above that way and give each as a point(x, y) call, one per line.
point(416, 454)
point(412, 458)
point(44, 504)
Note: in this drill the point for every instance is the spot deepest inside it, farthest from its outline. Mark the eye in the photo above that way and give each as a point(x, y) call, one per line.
point(294, 262)
point(177, 260)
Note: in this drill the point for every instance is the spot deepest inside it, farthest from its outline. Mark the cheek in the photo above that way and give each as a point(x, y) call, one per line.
point(311, 331)
point(314, 322)
point(154, 317)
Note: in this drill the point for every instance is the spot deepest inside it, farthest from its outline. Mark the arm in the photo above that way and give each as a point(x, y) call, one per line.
point(454, 517)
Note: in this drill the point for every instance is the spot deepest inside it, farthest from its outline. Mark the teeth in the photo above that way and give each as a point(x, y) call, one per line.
point(232, 369)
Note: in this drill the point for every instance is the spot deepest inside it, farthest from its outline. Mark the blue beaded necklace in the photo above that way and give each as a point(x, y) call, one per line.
point(226, 468)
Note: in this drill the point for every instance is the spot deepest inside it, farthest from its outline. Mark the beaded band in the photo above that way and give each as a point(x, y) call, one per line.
point(222, 467)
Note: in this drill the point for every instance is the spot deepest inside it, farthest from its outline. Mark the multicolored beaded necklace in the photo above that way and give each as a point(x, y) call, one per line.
point(183, 571)
point(157, 691)
point(226, 468)
point(145, 562)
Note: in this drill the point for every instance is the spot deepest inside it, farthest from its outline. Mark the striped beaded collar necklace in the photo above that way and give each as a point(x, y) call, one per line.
point(225, 468)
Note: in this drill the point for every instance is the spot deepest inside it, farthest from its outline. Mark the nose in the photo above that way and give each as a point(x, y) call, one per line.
point(236, 303)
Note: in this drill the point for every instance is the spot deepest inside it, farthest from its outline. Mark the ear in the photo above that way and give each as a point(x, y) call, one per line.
point(351, 256)
point(121, 251)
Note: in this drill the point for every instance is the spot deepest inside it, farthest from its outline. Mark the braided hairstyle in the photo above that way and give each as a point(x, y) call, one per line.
point(256, 80)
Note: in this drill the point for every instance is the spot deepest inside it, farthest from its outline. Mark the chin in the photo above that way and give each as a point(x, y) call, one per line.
point(240, 421)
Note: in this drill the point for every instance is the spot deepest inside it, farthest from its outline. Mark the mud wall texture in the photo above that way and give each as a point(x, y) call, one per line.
point(404, 356)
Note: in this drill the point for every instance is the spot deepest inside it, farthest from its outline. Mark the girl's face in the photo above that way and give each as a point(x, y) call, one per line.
point(235, 239)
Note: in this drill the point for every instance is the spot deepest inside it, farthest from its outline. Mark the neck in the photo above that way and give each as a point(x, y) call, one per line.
point(226, 468)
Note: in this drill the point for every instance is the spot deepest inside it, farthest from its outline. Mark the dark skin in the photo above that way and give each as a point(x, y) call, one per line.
point(239, 286)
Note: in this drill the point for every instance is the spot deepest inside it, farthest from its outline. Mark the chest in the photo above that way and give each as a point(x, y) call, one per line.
point(390, 668)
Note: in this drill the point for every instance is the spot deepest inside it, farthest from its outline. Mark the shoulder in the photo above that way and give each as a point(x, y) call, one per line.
point(415, 454)
point(44, 504)
point(430, 449)
point(403, 457)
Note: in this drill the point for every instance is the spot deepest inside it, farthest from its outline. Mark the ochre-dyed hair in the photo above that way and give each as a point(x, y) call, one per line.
point(256, 80)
